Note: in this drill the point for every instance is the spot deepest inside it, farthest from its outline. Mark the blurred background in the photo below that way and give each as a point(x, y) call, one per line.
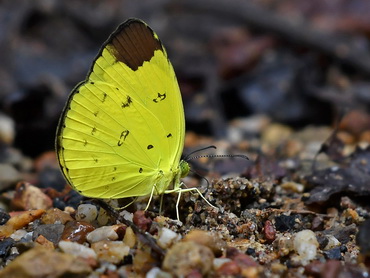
point(240, 64)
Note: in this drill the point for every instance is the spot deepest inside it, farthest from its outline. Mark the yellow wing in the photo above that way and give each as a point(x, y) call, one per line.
point(122, 130)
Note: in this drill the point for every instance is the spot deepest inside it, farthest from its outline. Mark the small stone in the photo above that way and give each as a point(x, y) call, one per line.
point(19, 220)
point(56, 216)
point(8, 176)
point(102, 233)
point(142, 221)
point(86, 212)
point(41, 240)
point(156, 272)
point(269, 231)
point(228, 269)
point(305, 244)
point(183, 257)
point(143, 262)
point(77, 249)
point(18, 234)
point(333, 254)
point(110, 251)
point(28, 196)
point(103, 217)
point(5, 246)
point(41, 262)
point(52, 232)
point(214, 242)
point(217, 262)
point(76, 231)
point(293, 187)
point(130, 237)
point(4, 216)
point(167, 237)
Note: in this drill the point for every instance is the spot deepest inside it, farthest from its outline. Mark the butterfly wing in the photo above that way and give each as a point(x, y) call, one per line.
point(124, 125)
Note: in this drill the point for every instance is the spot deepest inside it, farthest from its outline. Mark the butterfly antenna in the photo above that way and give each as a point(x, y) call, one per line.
point(187, 158)
point(199, 175)
point(219, 156)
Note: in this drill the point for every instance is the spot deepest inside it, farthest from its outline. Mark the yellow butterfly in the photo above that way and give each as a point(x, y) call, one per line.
point(121, 133)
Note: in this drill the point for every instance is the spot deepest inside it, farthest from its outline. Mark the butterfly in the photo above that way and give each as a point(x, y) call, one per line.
point(121, 133)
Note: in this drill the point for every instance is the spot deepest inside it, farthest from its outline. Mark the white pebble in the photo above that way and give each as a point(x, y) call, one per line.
point(156, 272)
point(102, 233)
point(217, 262)
point(86, 212)
point(18, 234)
point(333, 242)
point(127, 215)
point(305, 244)
point(76, 249)
point(167, 237)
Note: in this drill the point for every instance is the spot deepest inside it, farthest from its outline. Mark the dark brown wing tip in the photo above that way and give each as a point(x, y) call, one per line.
point(133, 43)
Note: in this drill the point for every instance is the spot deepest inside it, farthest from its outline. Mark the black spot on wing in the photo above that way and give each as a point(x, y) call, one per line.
point(132, 43)
point(159, 97)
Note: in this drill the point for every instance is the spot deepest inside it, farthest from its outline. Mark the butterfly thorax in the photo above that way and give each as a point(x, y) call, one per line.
point(170, 179)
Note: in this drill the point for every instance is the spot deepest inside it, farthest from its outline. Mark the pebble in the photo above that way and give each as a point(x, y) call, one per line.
point(167, 237)
point(184, 257)
point(110, 251)
point(228, 269)
point(77, 231)
point(86, 212)
point(212, 241)
point(7, 129)
point(8, 176)
point(56, 216)
point(4, 216)
point(28, 196)
point(293, 187)
point(102, 233)
point(333, 254)
point(5, 246)
point(44, 242)
point(103, 217)
point(306, 244)
point(217, 262)
point(18, 235)
point(269, 231)
point(142, 221)
point(41, 262)
point(156, 272)
point(129, 238)
point(19, 220)
point(52, 232)
point(77, 249)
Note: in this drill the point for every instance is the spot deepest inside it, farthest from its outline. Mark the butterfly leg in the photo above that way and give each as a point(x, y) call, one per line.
point(129, 204)
point(160, 204)
point(150, 198)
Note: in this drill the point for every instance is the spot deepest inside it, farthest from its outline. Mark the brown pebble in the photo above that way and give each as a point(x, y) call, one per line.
point(19, 220)
point(41, 240)
point(142, 221)
point(41, 262)
point(28, 196)
point(110, 251)
point(269, 231)
point(77, 231)
point(228, 269)
point(184, 257)
point(55, 215)
point(143, 262)
point(317, 224)
point(130, 237)
point(214, 242)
